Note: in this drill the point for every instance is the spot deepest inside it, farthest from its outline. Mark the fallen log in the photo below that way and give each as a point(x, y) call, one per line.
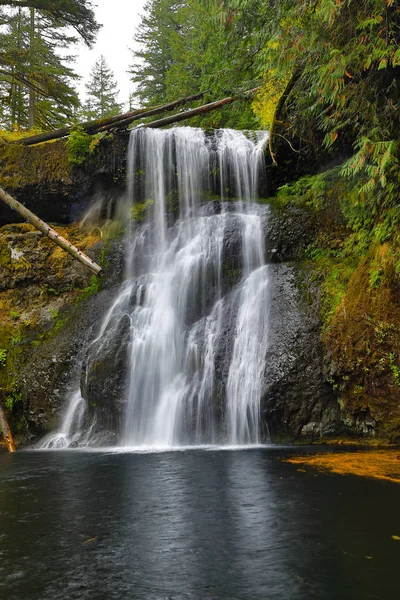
point(49, 232)
point(93, 127)
point(128, 118)
point(5, 429)
point(194, 112)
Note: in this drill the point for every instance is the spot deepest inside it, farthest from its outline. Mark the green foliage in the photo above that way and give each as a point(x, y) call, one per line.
point(16, 339)
point(14, 397)
point(337, 276)
point(375, 277)
point(315, 252)
point(344, 54)
point(47, 289)
point(154, 57)
point(311, 191)
point(139, 210)
point(77, 14)
point(101, 92)
point(93, 287)
point(185, 47)
point(36, 80)
point(54, 313)
point(14, 315)
point(346, 94)
point(3, 357)
point(78, 146)
point(394, 368)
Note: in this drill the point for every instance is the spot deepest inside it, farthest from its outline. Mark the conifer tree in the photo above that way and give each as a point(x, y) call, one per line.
point(185, 47)
point(36, 81)
point(78, 14)
point(154, 57)
point(102, 92)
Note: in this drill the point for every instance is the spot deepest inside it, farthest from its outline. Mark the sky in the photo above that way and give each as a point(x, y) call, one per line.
point(119, 19)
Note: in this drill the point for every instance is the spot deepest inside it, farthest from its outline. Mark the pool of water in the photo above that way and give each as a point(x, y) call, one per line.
point(192, 525)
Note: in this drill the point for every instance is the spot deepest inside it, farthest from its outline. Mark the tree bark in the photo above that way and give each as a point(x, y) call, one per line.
point(5, 428)
point(92, 127)
point(278, 110)
point(49, 232)
point(194, 112)
point(32, 97)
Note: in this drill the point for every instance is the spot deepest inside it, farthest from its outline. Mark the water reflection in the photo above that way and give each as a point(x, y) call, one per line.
point(191, 525)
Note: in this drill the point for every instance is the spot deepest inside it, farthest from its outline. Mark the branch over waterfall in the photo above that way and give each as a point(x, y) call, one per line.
point(117, 121)
point(124, 120)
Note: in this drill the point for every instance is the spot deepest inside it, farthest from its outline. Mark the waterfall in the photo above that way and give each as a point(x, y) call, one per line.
point(70, 430)
point(195, 295)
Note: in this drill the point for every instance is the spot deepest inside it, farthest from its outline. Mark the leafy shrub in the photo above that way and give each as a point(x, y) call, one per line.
point(3, 357)
point(14, 396)
point(78, 146)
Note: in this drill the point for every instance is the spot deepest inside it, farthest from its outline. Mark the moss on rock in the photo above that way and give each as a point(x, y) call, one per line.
point(355, 258)
point(39, 283)
point(29, 165)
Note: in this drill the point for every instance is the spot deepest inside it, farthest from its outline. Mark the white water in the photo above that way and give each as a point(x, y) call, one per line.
point(175, 301)
point(70, 430)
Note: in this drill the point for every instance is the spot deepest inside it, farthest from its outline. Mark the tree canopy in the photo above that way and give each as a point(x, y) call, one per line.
point(329, 71)
point(78, 14)
point(36, 76)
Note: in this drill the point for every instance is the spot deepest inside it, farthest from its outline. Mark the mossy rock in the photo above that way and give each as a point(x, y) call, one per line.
point(28, 165)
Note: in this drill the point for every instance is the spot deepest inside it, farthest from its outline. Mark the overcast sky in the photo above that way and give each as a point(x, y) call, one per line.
point(119, 19)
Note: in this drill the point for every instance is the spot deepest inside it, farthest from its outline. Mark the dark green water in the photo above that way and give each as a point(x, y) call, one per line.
point(193, 525)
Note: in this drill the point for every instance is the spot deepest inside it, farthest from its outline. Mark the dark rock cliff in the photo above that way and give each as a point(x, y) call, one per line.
point(319, 382)
point(43, 178)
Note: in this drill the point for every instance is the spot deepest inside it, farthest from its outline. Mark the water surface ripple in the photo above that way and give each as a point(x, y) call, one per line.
point(192, 525)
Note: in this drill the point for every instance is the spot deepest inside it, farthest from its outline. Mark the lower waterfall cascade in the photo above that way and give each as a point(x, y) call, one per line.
point(194, 300)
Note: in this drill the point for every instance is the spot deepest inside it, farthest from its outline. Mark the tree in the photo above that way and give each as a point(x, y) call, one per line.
point(69, 13)
point(102, 92)
point(154, 58)
point(183, 49)
point(330, 71)
point(37, 84)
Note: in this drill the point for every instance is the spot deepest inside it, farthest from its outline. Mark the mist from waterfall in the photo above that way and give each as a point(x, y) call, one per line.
point(189, 313)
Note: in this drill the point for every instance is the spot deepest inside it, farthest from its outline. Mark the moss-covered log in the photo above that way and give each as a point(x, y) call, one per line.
point(49, 232)
point(194, 112)
point(117, 121)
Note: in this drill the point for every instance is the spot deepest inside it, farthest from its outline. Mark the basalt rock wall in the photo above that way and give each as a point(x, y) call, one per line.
point(45, 179)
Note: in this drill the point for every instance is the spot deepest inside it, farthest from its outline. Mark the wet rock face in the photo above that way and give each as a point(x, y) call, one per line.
point(52, 370)
point(43, 179)
point(46, 381)
point(103, 379)
point(297, 401)
point(29, 259)
point(289, 232)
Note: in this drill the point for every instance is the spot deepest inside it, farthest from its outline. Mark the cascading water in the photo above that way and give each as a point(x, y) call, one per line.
point(188, 312)
point(70, 429)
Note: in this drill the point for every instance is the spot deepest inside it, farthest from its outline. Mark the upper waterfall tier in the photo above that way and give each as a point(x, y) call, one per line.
point(179, 310)
point(179, 358)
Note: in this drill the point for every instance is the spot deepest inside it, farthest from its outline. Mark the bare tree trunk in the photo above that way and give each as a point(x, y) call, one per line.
point(194, 112)
point(93, 127)
point(49, 232)
point(32, 98)
point(5, 429)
